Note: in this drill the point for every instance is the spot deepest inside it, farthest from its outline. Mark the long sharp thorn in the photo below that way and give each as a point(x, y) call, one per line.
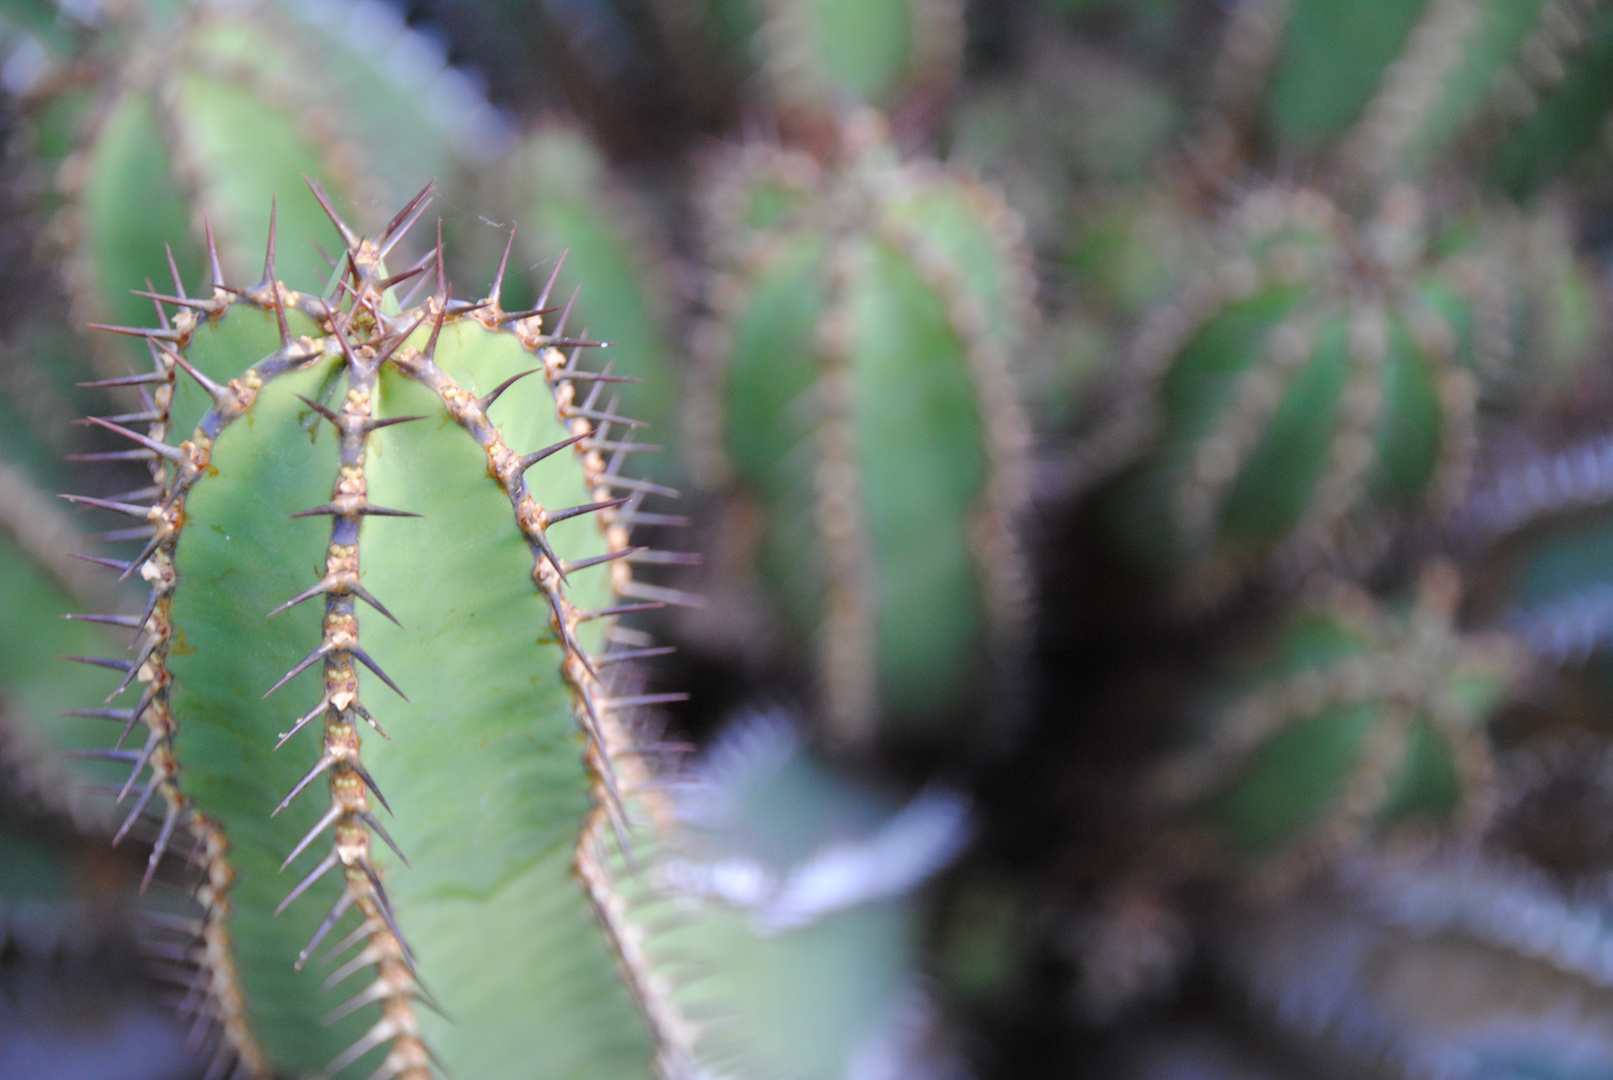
point(353, 937)
point(349, 237)
point(218, 393)
point(364, 658)
point(371, 820)
point(212, 253)
point(532, 459)
point(487, 399)
point(321, 410)
point(325, 762)
point(497, 290)
point(628, 655)
point(338, 909)
point(380, 1033)
point(173, 454)
point(385, 907)
point(303, 721)
point(108, 504)
point(136, 331)
point(554, 275)
point(583, 564)
point(134, 815)
point(441, 275)
point(120, 715)
point(153, 542)
point(565, 313)
point(140, 763)
point(128, 622)
point(320, 826)
point(376, 425)
point(105, 755)
point(539, 538)
point(332, 510)
point(365, 713)
point(436, 329)
point(319, 871)
point(173, 269)
point(162, 312)
point(364, 594)
point(126, 380)
point(578, 511)
point(269, 274)
point(369, 782)
point(169, 820)
point(303, 665)
point(402, 221)
point(95, 661)
point(371, 993)
point(589, 376)
point(317, 589)
point(400, 278)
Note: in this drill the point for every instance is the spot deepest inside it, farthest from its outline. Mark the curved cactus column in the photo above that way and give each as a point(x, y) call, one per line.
point(419, 435)
point(867, 313)
point(1320, 375)
point(1360, 718)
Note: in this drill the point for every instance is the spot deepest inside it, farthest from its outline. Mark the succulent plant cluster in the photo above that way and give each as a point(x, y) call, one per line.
point(1144, 565)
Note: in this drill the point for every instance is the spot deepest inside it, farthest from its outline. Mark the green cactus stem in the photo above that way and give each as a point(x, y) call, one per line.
point(1320, 374)
point(823, 56)
point(1362, 718)
point(516, 734)
point(859, 374)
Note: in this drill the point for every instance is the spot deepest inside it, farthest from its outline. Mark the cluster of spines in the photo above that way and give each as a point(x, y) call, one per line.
point(366, 339)
point(853, 202)
point(1407, 668)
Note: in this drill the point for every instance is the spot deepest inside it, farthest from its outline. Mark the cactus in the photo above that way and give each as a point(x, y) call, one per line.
point(1363, 718)
point(861, 357)
point(441, 430)
point(823, 56)
point(209, 110)
point(1319, 373)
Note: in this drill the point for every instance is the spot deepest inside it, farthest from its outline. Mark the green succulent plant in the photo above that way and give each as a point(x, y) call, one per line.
point(1318, 373)
point(859, 377)
point(515, 737)
point(1358, 718)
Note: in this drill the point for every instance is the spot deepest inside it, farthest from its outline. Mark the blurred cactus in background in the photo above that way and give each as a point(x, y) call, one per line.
point(1094, 542)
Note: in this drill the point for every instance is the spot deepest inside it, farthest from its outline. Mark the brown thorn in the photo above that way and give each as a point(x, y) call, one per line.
point(338, 909)
point(170, 819)
point(578, 511)
point(129, 509)
point(321, 410)
point(404, 219)
point(325, 762)
point(304, 720)
point(319, 871)
point(370, 820)
point(497, 290)
point(173, 269)
point(212, 252)
point(303, 665)
point(367, 510)
point(312, 834)
point(349, 237)
point(583, 564)
point(136, 331)
point(533, 458)
point(485, 402)
point(364, 658)
point(554, 275)
point(373, 425)
point(364, 594)
point(173, 454)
